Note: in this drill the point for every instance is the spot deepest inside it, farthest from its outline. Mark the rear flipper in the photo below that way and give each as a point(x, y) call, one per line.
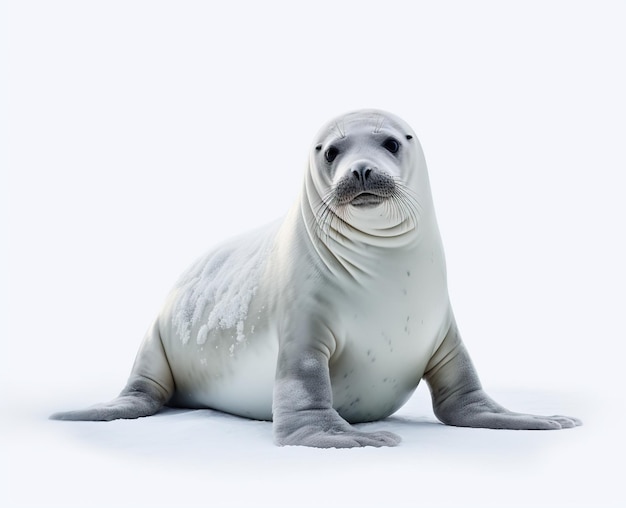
point(149, 387)
point(141, 397)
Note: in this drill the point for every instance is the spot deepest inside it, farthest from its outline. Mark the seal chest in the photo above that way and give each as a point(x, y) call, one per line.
point(391, 324)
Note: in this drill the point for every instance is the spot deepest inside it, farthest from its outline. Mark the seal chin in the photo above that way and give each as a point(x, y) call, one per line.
point(367, 200)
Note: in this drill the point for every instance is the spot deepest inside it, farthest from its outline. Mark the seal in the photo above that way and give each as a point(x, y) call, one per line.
point(329, 317)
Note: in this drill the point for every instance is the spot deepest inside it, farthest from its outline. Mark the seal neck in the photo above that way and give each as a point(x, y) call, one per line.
point(356, 244)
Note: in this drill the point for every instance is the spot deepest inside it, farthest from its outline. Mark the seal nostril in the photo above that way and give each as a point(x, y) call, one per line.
point(362, 174)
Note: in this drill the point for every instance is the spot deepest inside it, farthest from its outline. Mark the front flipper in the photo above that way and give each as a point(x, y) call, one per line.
point(302, 409)
point(459, 400)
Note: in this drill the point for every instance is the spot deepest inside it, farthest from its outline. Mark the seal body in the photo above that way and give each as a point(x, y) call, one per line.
point(329, 317)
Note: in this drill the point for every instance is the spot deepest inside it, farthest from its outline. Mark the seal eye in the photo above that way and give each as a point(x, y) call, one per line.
point(391, 145)
point(331, 154)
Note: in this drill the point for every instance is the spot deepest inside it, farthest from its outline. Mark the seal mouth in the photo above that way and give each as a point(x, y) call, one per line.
point(367, 199)
point(364, 189)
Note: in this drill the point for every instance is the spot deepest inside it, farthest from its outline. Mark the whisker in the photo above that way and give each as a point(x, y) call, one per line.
point(340, 130)
point(380, 121)
point(328, 216)
point(333, 217)
point(411, 197)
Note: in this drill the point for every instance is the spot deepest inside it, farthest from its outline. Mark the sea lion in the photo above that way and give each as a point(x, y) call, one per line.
point(329, 317)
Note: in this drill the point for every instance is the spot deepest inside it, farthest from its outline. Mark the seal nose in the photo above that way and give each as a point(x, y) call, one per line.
point(362, 172)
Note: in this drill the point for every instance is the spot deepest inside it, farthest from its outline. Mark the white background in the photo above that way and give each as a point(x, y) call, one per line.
point(142, 132)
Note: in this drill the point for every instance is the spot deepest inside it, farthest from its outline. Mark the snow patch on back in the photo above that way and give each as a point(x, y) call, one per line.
point(215, 293)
